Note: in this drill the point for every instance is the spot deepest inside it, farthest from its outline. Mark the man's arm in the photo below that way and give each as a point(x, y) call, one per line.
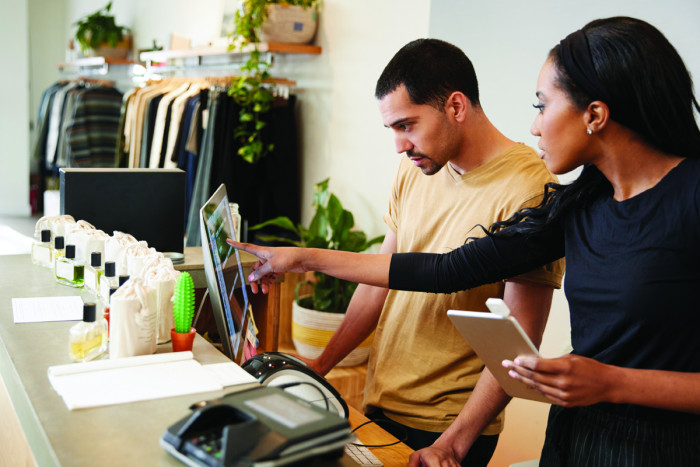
point(529, 304)
point(360, 319)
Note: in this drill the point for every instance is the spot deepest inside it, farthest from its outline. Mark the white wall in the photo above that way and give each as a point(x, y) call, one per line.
point(341, 134)
point(14, 113)
point(341, 131)
point(157, 19)
point(508, 41)
point(47, 47)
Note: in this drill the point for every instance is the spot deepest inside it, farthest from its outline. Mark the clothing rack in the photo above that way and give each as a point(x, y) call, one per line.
point(188, 123)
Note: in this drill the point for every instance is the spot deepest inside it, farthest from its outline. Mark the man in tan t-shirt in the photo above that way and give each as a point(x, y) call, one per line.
point(460, 172)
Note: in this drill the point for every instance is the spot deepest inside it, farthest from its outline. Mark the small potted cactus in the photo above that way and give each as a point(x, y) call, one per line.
point(183, 312)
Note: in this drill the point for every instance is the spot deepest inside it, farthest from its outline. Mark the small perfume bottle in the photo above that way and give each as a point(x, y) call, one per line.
point(106, 312)
point(69, 271)
point(94, 272)
point(88, 339)
point(108, 280)
point(41, 250)
point(123, 279)
point(59, 251)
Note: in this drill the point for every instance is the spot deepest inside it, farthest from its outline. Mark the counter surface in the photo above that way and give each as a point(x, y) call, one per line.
point(125, 434)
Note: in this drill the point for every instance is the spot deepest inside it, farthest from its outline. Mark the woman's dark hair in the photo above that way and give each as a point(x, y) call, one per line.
point(431, 70)
point(631, 66)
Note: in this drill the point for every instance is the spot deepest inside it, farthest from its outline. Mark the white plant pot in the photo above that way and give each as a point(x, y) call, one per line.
point(289, 23)
point(311, 331)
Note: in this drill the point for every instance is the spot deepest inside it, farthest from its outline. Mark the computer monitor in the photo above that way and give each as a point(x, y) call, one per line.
point(224, 274)
point(146, 203)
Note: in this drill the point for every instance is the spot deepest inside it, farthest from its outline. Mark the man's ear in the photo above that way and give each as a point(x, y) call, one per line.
point(456, 106)
point(596, 116)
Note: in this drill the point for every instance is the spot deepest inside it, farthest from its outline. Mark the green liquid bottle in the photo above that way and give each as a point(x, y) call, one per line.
point(69, 271)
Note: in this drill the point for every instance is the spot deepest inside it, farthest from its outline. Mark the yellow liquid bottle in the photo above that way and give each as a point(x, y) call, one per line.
point(88, 339)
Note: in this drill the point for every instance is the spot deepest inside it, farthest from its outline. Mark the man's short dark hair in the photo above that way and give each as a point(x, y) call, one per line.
point(431, 70)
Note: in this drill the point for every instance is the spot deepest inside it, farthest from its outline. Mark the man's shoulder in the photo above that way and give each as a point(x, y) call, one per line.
point(524, 161)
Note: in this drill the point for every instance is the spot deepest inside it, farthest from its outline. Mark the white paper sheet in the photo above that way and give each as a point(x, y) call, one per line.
point(146, 377)
point(43, 309)
point(229, 374)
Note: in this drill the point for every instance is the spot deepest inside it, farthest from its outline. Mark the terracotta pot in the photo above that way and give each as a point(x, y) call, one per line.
point(182, 341)
point(292, 24)
point(312, 330)
point(120, 51)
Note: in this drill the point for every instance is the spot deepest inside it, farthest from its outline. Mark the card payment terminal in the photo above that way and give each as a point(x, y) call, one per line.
point(263, 426)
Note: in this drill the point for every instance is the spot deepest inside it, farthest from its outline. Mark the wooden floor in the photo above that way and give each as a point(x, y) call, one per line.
point(14, 449)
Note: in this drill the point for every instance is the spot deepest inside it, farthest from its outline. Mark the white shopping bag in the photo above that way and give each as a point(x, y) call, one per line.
point(132, 320)
point(78, 234)
point(58, 225)
point(136, 256)
point(115, 250)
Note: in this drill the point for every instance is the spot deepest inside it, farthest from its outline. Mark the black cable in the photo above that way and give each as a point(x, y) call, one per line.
point(405, 436)
point(297, 383)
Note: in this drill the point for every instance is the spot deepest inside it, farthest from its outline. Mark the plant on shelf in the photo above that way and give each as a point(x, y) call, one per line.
point(248, 90)
point(330, 228)
point(98, 28)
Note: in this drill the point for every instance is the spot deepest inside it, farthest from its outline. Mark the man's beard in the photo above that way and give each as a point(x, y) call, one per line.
point(429, 166)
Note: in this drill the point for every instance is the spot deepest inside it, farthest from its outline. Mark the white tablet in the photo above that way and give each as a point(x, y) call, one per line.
point(494, 338)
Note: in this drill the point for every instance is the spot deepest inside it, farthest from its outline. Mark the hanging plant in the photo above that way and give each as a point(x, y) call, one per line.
point(249, 92)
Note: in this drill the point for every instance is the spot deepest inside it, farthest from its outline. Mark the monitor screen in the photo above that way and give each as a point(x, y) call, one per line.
point(224, 274)
point(146, 203)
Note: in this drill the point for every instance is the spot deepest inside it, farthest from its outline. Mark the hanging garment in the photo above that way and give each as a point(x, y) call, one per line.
point(201, 191)
point(121, 152)
point(55, 119)
point(189, 142)
point(161, 124)
point(78, 126)
point(270, 187)
point(92, 134)
point(178, 110)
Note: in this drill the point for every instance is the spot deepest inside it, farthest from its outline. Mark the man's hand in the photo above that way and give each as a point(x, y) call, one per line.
point(433, 456)
point(312, 363)
point(271, 263)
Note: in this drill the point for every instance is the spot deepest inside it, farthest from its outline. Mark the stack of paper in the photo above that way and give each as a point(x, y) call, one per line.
point(116, 381)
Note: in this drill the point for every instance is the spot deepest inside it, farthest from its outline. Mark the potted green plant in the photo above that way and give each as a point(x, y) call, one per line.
point(315, 317)
point(248, 90)
point(182, 335)
point(99, 34)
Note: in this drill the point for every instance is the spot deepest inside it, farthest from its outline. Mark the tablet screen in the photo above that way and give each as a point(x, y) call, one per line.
point(496, 338)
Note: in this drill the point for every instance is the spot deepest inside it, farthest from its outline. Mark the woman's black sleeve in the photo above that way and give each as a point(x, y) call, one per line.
point(479, 262)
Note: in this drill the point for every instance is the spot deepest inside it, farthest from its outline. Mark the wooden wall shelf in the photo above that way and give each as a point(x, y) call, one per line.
point(271, 47)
